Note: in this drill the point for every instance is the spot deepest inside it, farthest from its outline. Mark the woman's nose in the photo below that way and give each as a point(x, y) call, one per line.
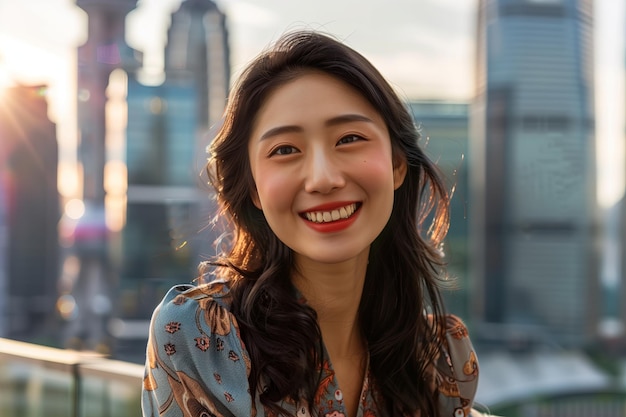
point(323, 173)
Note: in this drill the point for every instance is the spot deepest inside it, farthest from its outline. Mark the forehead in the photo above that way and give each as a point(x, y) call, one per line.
point(313, 95)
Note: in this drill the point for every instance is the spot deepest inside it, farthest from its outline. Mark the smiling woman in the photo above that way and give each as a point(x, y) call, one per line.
point(319, 305)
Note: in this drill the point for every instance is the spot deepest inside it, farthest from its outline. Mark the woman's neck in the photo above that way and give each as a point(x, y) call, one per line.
point(334, 292)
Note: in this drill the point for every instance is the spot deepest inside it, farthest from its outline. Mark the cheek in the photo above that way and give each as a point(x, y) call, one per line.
point(268, 183)
point(376, 172)
point(273, 189)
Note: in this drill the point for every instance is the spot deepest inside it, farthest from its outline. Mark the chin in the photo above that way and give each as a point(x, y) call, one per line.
point(331, 257)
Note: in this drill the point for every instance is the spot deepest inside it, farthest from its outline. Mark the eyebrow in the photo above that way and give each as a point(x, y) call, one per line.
point(337, 120)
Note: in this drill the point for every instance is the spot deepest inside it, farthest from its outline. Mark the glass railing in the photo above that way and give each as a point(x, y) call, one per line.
point(41, 381)
point(38, 381)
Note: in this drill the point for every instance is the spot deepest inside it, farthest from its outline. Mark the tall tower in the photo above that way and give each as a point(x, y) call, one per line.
point(30, 200)
point(621, 207)
point(197, 49)
point(444, 133)
point(533, 215)
point(104, 51)
point(165, 235)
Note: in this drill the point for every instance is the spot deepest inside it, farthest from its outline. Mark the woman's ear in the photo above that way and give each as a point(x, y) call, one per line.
point(399, 172)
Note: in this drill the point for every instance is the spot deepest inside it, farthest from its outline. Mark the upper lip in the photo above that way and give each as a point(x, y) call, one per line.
point(329, 206)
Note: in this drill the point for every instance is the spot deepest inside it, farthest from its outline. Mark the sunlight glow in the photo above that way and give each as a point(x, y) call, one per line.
point(115, 185)
point(115, 212)
point(4, 82)
point(68, 179)
point(23, 61)
point(75, 209)
point(115, 178)
point(5, 77)
point(67, 307)
point(610, 102)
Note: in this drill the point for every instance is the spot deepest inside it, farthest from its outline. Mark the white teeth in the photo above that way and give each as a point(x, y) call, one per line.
point(331, 216)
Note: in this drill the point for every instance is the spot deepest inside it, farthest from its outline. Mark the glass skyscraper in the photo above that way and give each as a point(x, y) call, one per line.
point(197, 48)
point(29, 238)
point(162, 193)
point(443, 128)
point(168, 209)
point(104, 52)
point(533, 216)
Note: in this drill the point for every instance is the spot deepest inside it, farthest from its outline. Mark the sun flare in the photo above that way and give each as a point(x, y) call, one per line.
point(5, 79)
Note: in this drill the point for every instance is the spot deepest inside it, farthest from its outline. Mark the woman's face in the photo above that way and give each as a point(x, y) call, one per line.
point(321, 159)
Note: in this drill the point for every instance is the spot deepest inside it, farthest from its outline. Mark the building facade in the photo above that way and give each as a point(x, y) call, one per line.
point(197, 49)
point(168, 208)
point(104, 52)
point(159, 246)
point(4, 255)
point(444, 134)
point(29, 215)
point(533, 216)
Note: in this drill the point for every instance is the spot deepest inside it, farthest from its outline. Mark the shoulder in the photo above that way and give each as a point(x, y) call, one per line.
point(195, 317)
point(456, 371)
point(202, 311)
point(457, 345)
point(195, 351)
point(214, 291)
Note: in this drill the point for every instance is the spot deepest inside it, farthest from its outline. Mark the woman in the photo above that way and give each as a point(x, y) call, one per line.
point(326, 302)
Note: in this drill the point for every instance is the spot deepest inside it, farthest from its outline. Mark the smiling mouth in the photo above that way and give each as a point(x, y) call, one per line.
point(341, 213)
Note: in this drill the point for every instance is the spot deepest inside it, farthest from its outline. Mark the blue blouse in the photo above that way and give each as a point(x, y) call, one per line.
point(197, 365)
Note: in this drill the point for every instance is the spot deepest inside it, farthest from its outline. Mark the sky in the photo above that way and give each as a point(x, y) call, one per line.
point(425, 48)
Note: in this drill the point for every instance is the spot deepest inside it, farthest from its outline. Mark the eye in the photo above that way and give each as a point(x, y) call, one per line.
point(349, 139)
point(283, 150)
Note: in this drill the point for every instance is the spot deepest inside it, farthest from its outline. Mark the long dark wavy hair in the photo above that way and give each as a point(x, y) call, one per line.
point(281, 334)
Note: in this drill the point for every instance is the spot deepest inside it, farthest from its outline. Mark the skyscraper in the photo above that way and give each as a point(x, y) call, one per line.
point(160, 236)
point(30, 200)
point(444, 134)
point(104, 51)
point(168, 209)
point(197, 49)
point(4, 255)
point(617, 290)
point(533, 215)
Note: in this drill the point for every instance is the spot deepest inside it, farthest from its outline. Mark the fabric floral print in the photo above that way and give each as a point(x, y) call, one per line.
point(197, 365)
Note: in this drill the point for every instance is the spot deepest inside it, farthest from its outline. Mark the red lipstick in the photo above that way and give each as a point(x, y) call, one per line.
point(332, 226)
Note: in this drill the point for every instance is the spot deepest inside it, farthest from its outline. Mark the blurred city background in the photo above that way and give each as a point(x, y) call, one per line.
point(107, 107)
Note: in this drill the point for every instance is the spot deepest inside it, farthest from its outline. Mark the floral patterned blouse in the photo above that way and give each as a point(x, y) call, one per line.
point(197, 365)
